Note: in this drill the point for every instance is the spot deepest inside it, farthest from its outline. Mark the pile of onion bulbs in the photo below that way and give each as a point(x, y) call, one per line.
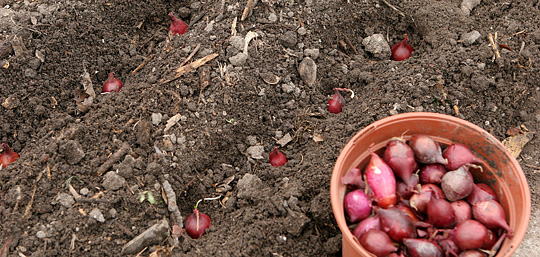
point(418, 200)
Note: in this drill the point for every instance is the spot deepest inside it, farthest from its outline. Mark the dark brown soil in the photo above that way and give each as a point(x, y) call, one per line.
point(225, 110)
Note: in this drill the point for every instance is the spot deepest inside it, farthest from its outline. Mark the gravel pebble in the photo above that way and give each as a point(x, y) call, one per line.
point(41, 234)
point(256, 152)
point(308, 71)
point(237, 42)
point(377, 45)
point(288, 39)
point(65, 199)
point(239, 59)
point(113, 181)
point(97, 214)
point(313, 53)
point(471, 37)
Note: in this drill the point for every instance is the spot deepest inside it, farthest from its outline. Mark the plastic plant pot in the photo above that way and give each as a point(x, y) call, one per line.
point(500, 169)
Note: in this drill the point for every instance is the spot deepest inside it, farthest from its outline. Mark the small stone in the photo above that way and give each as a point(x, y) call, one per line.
point(308, 71)
point(113, 212)
point(302, 31)
point(41, 234)
point(84, 191)
point(313, 53)
point(113, 181)
point(294, 224)
point(239, 59)
point(31, 73)
point(65, 199)
point(288, 88)
point(209, 27)
point(393, 112)
point(281, 239)
point(156, 118)
point(481, 66)
point(72, 151)
point(256, 152)
point(96, 214)
point(249, 187)
point(468, 5)
point(272, 17)
point(252, 140)
point(377, 45)
point(237, 42)
point(34, 63)
point(469, 38)
point(288, 39)
point(184, 12)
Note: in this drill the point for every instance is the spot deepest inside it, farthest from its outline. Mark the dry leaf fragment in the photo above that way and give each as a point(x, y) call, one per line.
point(515, 144)
point(318, 137)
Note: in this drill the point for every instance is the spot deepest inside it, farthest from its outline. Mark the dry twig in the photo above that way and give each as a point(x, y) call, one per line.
point(494, 46)
point(27, 211)
point(192, 66)
point(142, 64)
point(393, 8)
point(114, 158)
point(191, 55)
point(5, 248)
point(247, 10)
point(82, 199)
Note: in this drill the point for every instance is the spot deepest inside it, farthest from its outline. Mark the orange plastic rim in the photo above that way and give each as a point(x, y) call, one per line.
point(501, 170)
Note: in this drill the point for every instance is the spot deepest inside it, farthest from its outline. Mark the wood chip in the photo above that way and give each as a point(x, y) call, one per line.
point(172, 120)
point(456, 109)
point(285, 139)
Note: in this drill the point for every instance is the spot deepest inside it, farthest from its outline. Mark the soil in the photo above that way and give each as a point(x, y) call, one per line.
point(229, 113)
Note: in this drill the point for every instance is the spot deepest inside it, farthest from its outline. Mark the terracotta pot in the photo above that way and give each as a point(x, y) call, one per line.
point(501, 170)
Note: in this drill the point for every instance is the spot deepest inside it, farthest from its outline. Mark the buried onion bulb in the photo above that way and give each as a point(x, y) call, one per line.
point(401, 50)
point(112, 84)
point(6, 155)
point(177, 26)
point(277, 158)
point(336, 103)
point(196, 224)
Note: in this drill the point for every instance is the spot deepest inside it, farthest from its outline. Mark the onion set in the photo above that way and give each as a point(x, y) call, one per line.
point(6, 155)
